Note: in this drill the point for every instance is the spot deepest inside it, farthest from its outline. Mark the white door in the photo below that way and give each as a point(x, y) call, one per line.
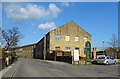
point(76, 54)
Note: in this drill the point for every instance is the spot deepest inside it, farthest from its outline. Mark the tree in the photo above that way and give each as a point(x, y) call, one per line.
point(11, 38)
point(113, 41)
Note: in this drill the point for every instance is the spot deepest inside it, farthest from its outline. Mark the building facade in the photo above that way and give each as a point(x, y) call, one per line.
point(106, 51)
point(65, 43)
point(113, 53)
point(24, 51)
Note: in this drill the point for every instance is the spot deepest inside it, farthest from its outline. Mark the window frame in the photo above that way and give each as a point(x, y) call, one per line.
point(67, 49)
point(57, 37)
point(76, 38)
point(67, 38)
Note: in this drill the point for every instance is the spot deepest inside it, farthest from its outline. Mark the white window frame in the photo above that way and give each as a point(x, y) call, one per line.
point(76, 38)
point(57, 37)
point(67, 38)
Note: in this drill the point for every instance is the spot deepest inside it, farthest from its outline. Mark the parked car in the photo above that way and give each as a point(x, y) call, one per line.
point(106, 60)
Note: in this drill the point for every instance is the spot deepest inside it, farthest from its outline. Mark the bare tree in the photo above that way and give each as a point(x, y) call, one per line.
point(11, 37)
point(113, 41)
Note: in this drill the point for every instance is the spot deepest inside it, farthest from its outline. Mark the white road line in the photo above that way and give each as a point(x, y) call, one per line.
point(17, 68)
point(0, 74)
point(9, 67)
point(3, 71)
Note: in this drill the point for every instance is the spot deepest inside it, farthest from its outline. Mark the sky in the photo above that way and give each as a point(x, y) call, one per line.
point(35, 19)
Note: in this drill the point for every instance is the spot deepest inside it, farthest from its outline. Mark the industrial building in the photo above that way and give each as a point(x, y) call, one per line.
point(24, 51)
point(69, 43)
point(106, 51)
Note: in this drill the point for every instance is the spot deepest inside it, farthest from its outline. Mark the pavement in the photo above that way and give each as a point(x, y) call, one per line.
point(43, 68)
point(0, 64)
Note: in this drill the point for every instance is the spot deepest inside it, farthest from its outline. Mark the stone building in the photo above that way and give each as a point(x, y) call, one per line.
point(65, 43)
point(24, 51)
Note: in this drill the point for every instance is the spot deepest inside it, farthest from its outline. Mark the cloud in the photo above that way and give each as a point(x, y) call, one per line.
point(47, 25)
point(65, 4)
point(30, 12)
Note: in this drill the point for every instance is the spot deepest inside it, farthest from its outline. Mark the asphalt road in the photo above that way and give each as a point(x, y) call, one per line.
point(40, 68)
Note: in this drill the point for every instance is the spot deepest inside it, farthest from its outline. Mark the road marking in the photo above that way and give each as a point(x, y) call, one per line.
point(15, 71)
point(6, 69)
point(9, 67)
point(0, 74)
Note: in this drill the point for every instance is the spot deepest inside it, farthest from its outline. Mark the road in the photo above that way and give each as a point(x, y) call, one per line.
point(40, 68)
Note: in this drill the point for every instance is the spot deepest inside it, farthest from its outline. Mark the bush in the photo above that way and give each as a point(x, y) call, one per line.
point(89, 60)
point(4, 55)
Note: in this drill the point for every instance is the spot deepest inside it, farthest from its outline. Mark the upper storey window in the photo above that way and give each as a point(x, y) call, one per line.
point(57, 37)
point(67, 38)
point(76, 38)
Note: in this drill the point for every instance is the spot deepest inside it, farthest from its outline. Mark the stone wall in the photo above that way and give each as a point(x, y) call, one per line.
point(76, 38)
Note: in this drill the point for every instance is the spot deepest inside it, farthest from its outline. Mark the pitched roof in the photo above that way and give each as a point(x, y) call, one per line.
point(25, 46)
point(101, 48)
point(74, 24)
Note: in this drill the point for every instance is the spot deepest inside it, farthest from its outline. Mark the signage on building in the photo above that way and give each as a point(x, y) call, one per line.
point(76, 55)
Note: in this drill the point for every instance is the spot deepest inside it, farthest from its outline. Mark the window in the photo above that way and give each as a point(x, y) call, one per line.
point(111, 58)
point(76, 48)
point(76, 38)
point(67, 38)
point(57, 48)
point(85, 38)
point(108, 58)
point(101, 58)
point(57, 37)
point(67, 48)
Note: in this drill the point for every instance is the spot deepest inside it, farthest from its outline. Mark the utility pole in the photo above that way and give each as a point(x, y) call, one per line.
point(44, 52)
point(103, 47)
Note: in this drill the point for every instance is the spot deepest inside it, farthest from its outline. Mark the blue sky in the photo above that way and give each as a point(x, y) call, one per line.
point(35, 19)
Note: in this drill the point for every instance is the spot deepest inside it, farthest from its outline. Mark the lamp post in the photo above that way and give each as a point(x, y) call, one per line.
point(103, 47)
point(44, 48)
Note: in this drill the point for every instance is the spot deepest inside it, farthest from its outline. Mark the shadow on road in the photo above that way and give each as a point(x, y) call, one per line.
point(95, 63)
